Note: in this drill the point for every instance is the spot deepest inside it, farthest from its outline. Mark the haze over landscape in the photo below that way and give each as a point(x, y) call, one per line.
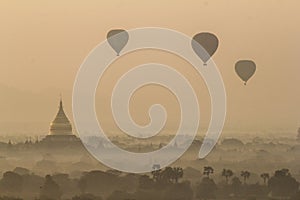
point(44, 44)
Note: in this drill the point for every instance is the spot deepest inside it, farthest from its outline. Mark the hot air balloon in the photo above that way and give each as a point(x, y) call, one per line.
point(245, 69)
point(117, 39)
point(208, 41)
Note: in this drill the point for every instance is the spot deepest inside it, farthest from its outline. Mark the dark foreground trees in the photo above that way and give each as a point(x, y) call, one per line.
point(50, 189)
point(162, 184)
point(86, 197)
point(227, 173)
point(11, 184)
point(282, 184)
point(245, 175)
point(206, 189)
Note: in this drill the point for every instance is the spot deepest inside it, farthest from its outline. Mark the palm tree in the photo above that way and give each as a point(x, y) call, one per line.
point(245, 175)
point(178, 173)
point(227, 173)
point(156, 174)
point(167, 175)
point(208, 170)
point(265, 177)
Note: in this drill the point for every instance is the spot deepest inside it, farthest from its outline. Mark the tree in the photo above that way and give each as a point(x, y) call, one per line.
point(178, 173)
point(82, 185)
point(11, 184)
point(282, 184)
point(206, 189)
point(99, 183)
point(296, 196)
point(117, 195)
point(87, 197)
point(167, 175)
point(208, 170)
point(21, 171)
point(9, 198)
point(148, 194)
point(145, 182)
point(245, 175)
point(31, 186)
point(180, 191)
point(227, 173)
point(156, 174)
point(265, 177)
point(236, 185)
point(50, 189)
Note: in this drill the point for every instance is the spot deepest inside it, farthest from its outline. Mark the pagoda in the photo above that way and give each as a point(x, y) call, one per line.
point(60, 128)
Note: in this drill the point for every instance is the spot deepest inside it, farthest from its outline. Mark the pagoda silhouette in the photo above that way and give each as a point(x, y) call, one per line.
point(60, 129)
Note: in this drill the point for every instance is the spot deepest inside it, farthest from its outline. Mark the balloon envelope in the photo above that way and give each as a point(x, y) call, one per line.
point(209, 43)
point(245, 69)
point(117, 39)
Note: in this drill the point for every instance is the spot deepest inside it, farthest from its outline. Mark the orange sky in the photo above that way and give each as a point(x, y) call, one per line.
point(43, 43)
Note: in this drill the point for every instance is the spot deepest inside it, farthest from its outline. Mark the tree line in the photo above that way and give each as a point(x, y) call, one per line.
point(160, 184)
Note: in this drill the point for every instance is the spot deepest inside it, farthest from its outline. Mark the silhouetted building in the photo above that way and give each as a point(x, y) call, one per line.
point(60, 129)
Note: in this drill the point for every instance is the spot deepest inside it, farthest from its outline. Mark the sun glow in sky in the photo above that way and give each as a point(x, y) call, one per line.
point(43, 43)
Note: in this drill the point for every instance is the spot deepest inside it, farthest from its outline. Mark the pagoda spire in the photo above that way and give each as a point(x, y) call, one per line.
point(60, 102)
point(61, 124)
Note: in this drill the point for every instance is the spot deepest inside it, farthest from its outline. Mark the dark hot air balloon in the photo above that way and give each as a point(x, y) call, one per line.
point(245, 69)
point(208, 41)
point(117, 39)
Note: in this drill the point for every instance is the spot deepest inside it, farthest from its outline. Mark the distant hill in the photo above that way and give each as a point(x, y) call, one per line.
point(232, 142)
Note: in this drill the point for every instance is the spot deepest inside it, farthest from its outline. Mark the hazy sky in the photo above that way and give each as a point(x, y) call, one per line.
point(43, 43)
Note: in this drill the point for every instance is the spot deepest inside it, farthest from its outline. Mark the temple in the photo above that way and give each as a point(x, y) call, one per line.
point(60, 128)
